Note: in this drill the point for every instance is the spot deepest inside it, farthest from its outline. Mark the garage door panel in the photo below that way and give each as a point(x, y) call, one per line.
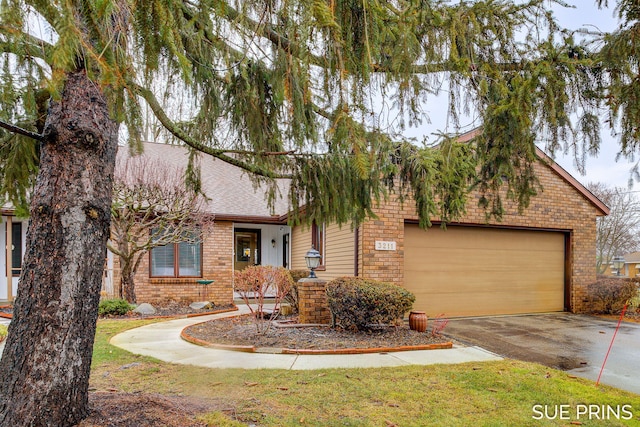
point(466, 271)
point(475, 238)
point(486, 256)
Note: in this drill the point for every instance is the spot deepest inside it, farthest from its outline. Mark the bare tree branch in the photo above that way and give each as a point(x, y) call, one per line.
point(21, 131)
point(619, 232)
point(151, 207)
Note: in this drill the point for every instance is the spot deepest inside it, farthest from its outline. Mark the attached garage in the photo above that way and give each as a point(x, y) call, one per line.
point(472, 271)
point(532, 260)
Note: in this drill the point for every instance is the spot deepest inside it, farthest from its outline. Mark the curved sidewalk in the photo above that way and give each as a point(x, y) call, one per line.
point(162, 341)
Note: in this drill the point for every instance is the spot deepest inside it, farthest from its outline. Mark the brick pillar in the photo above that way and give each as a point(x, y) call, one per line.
point(312, 301)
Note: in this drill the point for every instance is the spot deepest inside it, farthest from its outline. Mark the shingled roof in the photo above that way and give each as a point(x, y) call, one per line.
point(232, 193)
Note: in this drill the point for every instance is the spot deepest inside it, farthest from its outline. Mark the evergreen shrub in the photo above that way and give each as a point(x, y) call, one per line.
point(114, 307)
point(358, 303)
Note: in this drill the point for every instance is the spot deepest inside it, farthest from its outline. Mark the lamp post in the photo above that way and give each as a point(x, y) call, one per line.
point(618, 264)
point(312, 258)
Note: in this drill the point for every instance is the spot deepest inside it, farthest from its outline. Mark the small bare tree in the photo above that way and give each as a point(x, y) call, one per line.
point(254, 283)
point(151, 207)
point(619, 232)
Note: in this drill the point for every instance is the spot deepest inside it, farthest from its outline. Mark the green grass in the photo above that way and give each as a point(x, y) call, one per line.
point(480, 394)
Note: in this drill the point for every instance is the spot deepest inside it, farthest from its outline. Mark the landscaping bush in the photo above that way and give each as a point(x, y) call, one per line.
point(3, 332)
point(358, 303)
point(254, 283)
point(113, 307)
point(609, 294)
point(292, 296)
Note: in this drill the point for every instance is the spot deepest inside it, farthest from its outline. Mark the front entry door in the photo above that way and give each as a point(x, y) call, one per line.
point(247, 248)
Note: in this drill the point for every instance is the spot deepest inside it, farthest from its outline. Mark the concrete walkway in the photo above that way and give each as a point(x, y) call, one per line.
point(162, 341)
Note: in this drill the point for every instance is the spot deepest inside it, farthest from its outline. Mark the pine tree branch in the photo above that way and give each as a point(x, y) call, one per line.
point(279, 41)
point(32, 46)
point(267, 30)
point(155, 106)
point(21, 131)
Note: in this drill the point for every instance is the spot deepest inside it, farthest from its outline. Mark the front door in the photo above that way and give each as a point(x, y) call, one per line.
point(247, 248)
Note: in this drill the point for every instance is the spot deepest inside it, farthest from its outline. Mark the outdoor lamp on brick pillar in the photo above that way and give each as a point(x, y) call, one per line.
point(618, 263)
point(312, 258)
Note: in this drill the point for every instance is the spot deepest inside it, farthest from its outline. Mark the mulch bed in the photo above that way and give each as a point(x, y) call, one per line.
point(241, 331)
point(630, 316)
point(175, 309)
point(167, 309)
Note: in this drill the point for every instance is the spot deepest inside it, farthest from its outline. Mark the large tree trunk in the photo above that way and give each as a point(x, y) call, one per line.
point(44, 371)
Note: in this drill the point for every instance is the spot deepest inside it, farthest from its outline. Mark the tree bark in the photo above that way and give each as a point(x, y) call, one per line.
point(44, 371)
point(127, 282)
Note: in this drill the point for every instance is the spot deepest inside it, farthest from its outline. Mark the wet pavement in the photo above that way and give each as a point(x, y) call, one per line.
point(574, 343)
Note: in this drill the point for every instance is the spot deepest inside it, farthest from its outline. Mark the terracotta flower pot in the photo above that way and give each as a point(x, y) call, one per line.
point(418, 321)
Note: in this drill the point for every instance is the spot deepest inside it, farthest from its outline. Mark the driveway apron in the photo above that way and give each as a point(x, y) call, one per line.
point(574, 343)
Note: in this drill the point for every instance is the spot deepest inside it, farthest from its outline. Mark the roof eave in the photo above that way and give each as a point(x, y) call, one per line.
point(604, 209)
point(253, 219)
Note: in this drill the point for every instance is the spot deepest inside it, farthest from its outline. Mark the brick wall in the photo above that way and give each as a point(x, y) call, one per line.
point(313, 306)
point(559, 207)
point(217, 265)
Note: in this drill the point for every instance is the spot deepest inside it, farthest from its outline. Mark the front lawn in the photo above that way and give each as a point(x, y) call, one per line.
point(501, 393)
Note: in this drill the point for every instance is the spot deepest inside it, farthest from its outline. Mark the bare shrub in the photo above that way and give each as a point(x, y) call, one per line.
point(255, 283)
point(438, 324)
point(292, 296)
point(608, 295)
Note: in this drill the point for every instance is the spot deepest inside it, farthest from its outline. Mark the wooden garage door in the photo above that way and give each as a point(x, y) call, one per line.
point(471, 271)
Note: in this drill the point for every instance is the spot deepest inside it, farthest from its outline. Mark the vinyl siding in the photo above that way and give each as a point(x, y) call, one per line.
point(300, 244)
point(339, 252)
point(339, 256)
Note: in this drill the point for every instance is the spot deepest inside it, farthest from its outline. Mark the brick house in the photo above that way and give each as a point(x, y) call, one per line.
point(535, 262)
point(244, 232)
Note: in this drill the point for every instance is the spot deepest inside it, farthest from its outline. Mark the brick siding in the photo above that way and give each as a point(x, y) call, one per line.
point(558, 207)
point(217, 265)
point(313, 304)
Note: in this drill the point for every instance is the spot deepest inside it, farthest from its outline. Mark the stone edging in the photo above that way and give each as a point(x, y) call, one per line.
point(253, 349)
point(6, 315)
point(437, 346)
point(226, 310)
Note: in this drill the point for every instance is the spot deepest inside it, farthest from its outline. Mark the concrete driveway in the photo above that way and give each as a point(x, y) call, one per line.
point(571, 342)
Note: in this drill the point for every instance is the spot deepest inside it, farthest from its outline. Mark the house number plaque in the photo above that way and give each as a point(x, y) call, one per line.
point(385, 246)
